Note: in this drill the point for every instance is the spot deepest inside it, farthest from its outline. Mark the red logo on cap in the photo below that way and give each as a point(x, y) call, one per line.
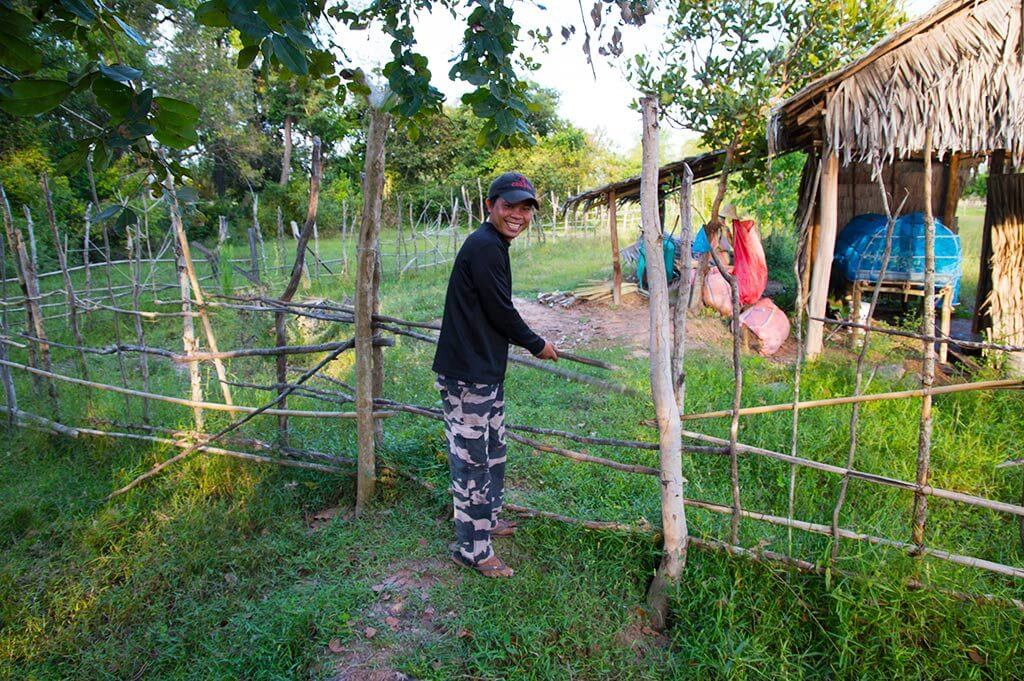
point(522, 183)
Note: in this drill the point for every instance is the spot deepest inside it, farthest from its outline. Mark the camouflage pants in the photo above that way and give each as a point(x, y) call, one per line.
point(474, 423)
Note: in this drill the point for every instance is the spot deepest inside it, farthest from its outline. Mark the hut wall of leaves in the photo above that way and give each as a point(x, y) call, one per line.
point(955, 75)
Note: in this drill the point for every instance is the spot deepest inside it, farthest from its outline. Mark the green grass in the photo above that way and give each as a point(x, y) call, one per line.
point(211, 569)
point(971, 219)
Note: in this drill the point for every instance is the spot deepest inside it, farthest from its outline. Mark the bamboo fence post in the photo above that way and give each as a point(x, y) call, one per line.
point(673, 512)
point(737, 396)
point(344, 245)
point(305, 281)
point(316, 252)
point(280, 239)
point(378, 351)
point(613, 229)
point(369, 230)
point(924, 444)
point(683, 296)
point(140, 336)
point(197, 291)
point(222, 230)
point(10, 395)
point(254, 263)
point(69, 289)
point(295, 278)
point(116, 316)
point(188, 335)
point(21, 275)
point(86, 247)
point(800, 263)
point(33, 252)
point(859, 372)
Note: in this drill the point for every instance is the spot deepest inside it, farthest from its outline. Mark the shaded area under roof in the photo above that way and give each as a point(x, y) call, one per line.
point(704, 167)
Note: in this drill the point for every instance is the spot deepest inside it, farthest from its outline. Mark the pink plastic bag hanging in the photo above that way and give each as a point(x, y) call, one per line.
point(717, 293)
point(770, 324)
point(750, 268)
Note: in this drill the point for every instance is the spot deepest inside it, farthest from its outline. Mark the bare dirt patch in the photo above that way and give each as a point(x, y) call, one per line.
point(399, 621)
point(605, 325)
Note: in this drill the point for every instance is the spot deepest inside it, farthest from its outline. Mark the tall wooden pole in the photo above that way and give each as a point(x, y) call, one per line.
point(924, 442)
point(5, 371)
point(683, 298)
point(369, 231)
point(673, 513)
point(316, 172)
point(827, 228)
point(613, 229)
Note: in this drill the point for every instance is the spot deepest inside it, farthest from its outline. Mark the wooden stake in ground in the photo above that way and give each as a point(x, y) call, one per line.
point(673, 513)
point(20, 275)
point(683, 296)
point(69, 289)
point(369, 231)
point(5, 372)
point(86, 248)
point(280, 332)
point(140, 336)
point(613, 229)
point(924, 441)
point(197, 291)
point(188, 335)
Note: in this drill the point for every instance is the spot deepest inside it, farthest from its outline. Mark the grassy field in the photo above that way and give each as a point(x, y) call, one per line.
point(224, 569)
point(971, 218)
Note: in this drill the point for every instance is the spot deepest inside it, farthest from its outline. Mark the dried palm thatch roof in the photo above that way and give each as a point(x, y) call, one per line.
point(961, 66)
point(704, 167)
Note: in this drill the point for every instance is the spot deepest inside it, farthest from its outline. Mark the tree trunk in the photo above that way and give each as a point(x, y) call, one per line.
point(673, 514)
point(713, 227)
point(369, 231)
point(286, 160)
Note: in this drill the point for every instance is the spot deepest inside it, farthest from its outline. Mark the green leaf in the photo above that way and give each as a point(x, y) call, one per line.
point(108, 212)
point(80, 9)
point(120, 72)
point(19, 55)
point(213, 14)
point(126, 218)
point(73, 161)
point(247, 55)
point(14, 24)
point(298, 37)
point(285, 9)
point(115, 98)
point(129, 31)
point(249, 23)
point(175, 122)
point(289, 55)
point(29, 97)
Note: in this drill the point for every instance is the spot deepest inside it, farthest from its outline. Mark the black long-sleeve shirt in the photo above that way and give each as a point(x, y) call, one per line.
point(479, 318)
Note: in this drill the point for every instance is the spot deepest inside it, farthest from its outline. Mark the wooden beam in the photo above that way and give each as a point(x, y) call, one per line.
point(613, 228)
point(952, 195)
point(828, 207)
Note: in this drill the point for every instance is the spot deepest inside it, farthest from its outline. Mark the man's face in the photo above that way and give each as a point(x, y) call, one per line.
point(510, 219)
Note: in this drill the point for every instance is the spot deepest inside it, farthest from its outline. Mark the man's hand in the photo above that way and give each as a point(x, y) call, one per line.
point(549, 352)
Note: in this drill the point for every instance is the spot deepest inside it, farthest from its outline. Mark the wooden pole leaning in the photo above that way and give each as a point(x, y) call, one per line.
point(10, 395)
point(369, 230)
point(197, 291)
point(673, 512)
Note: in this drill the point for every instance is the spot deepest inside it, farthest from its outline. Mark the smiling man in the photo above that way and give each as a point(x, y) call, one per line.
point(472, 353)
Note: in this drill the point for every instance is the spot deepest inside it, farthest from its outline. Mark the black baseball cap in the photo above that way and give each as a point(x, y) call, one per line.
point(513, 187)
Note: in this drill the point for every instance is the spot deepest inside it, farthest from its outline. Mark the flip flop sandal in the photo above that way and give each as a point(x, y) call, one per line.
point(504, 528)
point(486, 570)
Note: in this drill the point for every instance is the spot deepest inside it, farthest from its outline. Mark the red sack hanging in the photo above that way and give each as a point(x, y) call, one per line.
point(750, 267)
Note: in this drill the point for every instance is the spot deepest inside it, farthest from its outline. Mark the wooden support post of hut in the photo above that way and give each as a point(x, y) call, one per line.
point(828, 218)
point(613, 228)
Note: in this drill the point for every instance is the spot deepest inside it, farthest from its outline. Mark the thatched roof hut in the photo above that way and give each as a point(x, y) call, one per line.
point(958, 70)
